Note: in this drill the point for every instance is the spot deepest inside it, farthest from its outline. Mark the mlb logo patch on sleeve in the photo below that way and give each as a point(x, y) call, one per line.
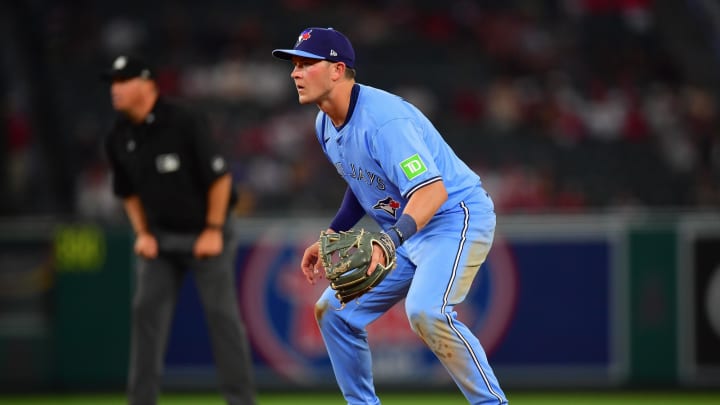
point(413, 166)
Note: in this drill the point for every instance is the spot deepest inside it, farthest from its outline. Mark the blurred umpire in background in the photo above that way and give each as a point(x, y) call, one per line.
point(177, 191)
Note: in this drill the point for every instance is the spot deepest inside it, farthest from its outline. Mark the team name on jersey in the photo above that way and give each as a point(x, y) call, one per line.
point(357, 173)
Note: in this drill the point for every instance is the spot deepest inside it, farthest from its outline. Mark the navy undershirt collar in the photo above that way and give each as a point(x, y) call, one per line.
point(353, 100)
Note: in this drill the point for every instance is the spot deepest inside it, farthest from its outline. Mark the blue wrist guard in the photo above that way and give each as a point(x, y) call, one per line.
point(404, 228)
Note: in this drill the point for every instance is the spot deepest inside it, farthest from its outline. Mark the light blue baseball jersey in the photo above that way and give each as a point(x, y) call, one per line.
point(387, 149)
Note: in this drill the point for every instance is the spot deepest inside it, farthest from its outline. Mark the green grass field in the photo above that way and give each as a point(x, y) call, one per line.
point(393, 398)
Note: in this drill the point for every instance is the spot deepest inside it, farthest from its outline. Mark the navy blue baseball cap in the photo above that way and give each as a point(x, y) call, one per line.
point(321, 43)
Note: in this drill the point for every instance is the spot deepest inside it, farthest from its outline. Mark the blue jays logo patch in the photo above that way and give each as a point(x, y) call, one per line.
point(388, 205)
point(304, 36)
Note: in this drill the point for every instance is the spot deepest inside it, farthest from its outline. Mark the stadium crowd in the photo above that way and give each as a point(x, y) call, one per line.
point(560, 106)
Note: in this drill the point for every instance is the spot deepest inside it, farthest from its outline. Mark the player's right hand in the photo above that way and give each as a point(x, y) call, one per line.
point(311, 265)
point(146, 245)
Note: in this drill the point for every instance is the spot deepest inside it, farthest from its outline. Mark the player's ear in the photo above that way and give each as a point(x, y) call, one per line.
point(339, 69)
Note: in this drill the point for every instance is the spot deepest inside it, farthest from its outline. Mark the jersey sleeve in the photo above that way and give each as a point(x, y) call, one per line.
point(401, 150)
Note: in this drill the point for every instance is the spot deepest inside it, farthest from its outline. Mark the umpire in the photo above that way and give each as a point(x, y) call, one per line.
point(176, 191)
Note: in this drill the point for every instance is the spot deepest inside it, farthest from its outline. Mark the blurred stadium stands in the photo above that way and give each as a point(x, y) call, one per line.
point(561, 106)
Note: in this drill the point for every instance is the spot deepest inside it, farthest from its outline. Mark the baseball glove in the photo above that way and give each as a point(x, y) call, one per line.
point(346, 257)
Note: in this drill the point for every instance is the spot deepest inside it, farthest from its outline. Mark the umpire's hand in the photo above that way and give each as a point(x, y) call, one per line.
point(146, 245)
point(208, 244)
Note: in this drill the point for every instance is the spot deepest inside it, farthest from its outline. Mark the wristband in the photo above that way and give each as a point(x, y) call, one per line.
point(404, 228)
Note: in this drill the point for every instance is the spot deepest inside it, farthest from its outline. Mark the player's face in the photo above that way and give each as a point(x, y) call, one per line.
point(312, 79)
point(127, 93)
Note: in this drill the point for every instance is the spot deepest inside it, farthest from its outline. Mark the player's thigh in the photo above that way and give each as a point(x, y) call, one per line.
point(447, 264)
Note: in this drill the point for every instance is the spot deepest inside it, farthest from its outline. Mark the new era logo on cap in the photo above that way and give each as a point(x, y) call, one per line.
point(320, 43)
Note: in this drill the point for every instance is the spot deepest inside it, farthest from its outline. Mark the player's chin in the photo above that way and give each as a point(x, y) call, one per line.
point(304, 100)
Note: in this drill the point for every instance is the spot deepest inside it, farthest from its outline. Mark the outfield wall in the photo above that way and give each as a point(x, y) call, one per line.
point(563, 301)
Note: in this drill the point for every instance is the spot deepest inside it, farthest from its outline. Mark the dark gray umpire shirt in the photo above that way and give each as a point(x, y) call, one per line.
point(169, 161)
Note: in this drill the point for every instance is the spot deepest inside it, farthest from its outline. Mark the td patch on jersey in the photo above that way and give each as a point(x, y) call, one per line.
point(413, 166)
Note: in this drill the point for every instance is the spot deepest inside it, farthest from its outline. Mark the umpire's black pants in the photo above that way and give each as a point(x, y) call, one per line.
point(158, 282)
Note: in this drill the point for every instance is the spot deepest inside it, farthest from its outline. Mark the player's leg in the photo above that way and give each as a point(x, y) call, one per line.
point(345, 335)
point(448, 258)
point(215, 279)
point(157, 283)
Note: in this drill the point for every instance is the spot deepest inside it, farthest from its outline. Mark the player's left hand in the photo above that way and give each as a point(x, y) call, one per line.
point(208, 244)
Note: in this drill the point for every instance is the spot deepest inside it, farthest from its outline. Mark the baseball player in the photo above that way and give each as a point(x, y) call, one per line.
point(400, 172)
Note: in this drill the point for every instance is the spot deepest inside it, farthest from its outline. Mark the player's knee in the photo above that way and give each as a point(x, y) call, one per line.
point(421, 316)
point(321, 310)
point(332, 319)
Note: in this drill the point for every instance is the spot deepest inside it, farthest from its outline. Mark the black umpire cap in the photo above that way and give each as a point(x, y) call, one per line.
point(126, 67)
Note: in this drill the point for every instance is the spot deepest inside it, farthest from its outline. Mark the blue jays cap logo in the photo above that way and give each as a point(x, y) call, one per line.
point(304, 36)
